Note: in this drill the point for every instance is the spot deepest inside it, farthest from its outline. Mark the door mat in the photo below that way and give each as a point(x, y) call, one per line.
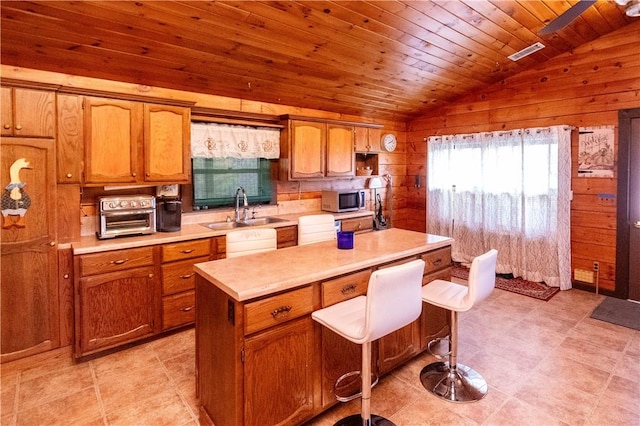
point(618, 311)
point(517, 285)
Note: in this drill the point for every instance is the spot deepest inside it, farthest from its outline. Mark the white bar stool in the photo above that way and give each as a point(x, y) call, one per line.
point(315, 228)
point(392, 301)
point(449, 380)
point(249, 241)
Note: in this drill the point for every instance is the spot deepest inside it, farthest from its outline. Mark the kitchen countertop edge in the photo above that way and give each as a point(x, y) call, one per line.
point(91, 244)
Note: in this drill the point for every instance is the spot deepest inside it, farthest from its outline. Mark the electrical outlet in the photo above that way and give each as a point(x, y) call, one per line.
point(596, 266)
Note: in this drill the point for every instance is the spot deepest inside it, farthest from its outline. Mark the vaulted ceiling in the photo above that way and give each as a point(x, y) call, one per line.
point(391, 60)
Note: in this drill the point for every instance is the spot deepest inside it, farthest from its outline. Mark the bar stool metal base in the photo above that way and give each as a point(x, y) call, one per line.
point(356, 420)
point(462, 385)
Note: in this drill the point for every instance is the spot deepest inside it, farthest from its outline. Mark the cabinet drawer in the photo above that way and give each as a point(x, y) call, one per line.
point(437, 259)
point(287, 236)
point(363, 224)
point(179, 276)
point(344, 288)
point(117, 260)
point(277, 309)
point(179, 309)
point(443, 274)
point(186, 250)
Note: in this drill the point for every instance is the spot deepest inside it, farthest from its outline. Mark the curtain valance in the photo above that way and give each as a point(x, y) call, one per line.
point(212, 140)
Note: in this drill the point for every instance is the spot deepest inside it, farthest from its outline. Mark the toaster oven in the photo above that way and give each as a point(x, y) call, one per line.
point(126, 215)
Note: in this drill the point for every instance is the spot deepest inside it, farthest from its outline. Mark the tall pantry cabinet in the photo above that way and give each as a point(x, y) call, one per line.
point(29, 293)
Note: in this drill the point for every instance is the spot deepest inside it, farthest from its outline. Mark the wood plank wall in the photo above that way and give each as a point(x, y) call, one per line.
point(586, 87)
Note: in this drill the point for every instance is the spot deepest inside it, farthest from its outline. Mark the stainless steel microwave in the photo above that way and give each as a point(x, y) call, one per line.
point(343, 201)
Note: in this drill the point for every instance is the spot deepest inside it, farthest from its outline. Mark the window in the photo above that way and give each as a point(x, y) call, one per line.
point(215, 181)
point(505, 190)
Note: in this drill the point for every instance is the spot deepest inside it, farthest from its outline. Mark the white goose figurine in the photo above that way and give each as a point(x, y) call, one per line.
point(15, 201)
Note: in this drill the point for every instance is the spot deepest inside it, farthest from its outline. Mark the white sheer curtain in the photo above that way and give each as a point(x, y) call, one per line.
point(213, 140)
point(509, 191)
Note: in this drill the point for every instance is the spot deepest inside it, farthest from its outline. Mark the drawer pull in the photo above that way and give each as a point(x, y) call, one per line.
point(282, 311)
point(186, 277)
point(437, 261)
point(187, 309)
point(119, 262)
point(187, 251)
point(349, 288)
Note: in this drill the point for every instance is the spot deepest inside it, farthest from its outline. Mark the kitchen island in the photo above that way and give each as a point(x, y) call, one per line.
point(261, 359)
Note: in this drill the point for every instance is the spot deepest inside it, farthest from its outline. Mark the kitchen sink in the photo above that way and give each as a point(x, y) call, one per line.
point(223, 225)
point(262, 221)
point(249, 222)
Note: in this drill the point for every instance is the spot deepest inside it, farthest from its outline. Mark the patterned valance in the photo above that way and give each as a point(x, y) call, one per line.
point(212, 140)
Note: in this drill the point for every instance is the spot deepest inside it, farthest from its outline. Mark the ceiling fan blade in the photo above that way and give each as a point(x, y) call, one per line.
point(567, 17)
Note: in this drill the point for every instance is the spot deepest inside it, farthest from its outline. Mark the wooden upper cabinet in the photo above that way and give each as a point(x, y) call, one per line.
point(340, 158)
point(28, 112)
point(367, 139)
point(308, 140)
point(133, 142)
point(316, 149)
point(70, 140)
point(113, 133)
point(167, 132)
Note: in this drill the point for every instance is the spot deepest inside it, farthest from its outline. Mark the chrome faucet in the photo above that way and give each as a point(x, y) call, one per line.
point(245, 204)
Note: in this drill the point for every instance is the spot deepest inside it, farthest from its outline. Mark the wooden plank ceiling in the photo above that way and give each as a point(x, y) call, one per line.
point(391, 60)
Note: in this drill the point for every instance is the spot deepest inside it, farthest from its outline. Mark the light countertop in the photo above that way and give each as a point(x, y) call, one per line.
point(247, 277)
point(91, 244)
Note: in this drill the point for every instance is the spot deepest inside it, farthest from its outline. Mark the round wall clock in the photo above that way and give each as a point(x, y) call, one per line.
point(389, 142)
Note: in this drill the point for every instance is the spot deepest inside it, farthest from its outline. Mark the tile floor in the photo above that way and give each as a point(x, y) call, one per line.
point(547, 363)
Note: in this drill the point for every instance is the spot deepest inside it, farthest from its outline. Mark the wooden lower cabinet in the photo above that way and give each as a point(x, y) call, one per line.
point(266, 362)
point(358, 224)
point(178, 280)
point(113, 309)
point(29, 311)
point(279, 374)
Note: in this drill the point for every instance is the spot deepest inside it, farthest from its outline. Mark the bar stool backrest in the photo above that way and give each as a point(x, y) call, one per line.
point(482, 278)
point(249, 241)
point(316, 228)
point(393, 299)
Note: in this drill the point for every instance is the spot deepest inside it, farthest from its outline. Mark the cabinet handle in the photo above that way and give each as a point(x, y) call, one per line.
point(187, 251)
point(69, 175)
point(6, 126)
point(18, 127)
point(133, 174)
point(65, 276)
point(186, 277)
point(282, 311)
point(350, 288)
point(52, 243)
point(437, 261)
point(119, 262)
point(187, 309)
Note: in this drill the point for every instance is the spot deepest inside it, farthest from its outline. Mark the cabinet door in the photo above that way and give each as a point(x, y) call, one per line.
point(367, 139)
point(339, 356)
point(340, 152)
point(399, 346)
point(113, 132)
point(166, 143)
point(28, 113)
point(29, 292)
point(307, 149)
point(113, 308)
point(70, 140)
point(279, 371)
point(6, 95)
